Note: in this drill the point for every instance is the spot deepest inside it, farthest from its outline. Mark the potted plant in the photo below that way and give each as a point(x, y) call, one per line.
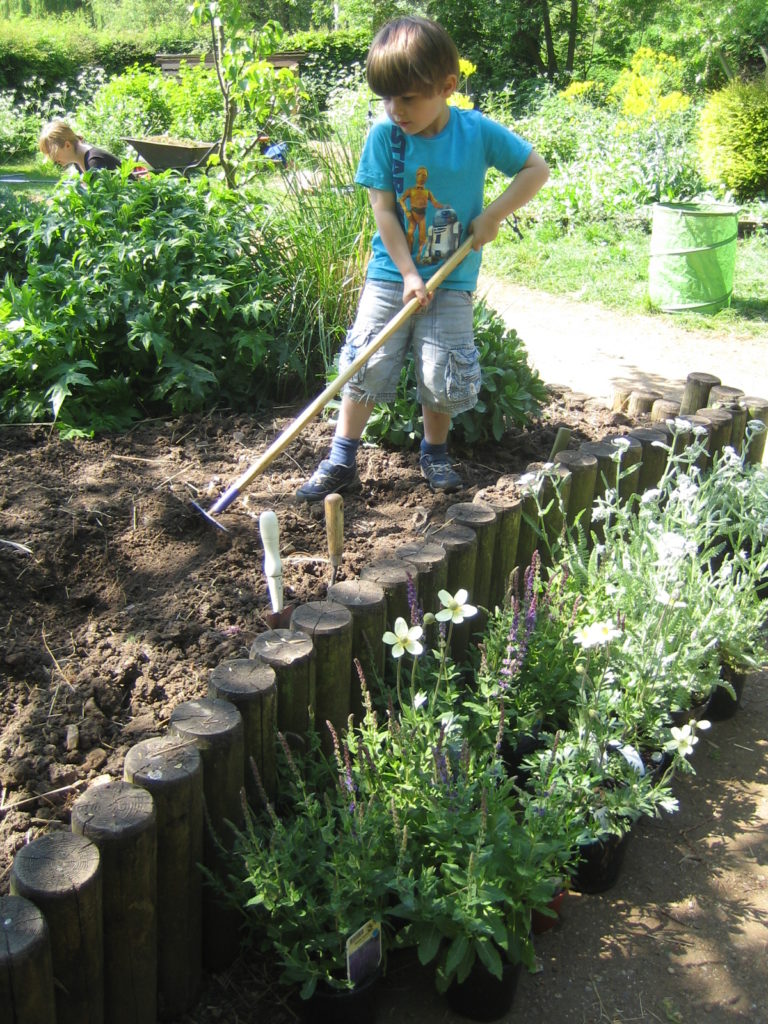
point(314, 882)
point(472, 861)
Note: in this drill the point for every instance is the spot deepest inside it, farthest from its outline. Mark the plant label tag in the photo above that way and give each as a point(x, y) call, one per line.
point(363, 952)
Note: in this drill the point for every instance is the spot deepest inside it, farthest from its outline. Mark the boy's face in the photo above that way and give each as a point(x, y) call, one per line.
point(418, 114)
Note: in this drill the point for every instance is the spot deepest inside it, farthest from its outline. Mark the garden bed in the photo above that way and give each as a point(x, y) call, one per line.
point(126, 598)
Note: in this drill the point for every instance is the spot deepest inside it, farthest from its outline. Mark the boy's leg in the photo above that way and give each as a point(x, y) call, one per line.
point(337, 473)
point(449, 376)
point(436, 466)
point(376, 381)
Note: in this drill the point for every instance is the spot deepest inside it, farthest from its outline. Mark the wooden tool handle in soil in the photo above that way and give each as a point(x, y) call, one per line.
point(334, 527)
point(315, 407)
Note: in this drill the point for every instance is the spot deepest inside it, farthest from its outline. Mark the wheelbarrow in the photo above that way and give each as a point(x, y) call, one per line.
point(176, 155)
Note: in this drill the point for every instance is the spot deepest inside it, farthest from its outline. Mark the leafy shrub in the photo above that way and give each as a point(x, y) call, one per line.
point(331, 55)
point(140, 297)
point(14, 213)
point(18, 127)
point(733, 141)
point(510, 391)
point(58, 50)
point(606, 163)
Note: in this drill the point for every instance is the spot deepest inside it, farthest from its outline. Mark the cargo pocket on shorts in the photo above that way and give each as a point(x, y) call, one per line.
point(463, 375)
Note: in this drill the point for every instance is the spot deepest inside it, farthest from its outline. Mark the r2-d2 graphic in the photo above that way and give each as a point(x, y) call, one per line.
point(442, 236)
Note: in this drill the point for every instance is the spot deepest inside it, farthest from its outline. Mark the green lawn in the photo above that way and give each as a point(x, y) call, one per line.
point(597, 264)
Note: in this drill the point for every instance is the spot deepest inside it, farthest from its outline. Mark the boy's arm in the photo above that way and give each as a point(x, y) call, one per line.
point(396, 244)
point(523, 187)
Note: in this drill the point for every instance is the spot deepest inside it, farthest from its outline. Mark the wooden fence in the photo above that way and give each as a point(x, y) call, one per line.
point(110, 923)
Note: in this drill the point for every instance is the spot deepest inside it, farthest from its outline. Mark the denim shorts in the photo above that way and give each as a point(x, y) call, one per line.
point(440, 337)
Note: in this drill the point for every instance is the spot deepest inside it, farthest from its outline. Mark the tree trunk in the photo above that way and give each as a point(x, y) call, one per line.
point(551, 57)
point(573, 29)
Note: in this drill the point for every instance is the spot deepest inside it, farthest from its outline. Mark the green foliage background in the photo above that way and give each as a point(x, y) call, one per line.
point(155, 296)
point(734, 138)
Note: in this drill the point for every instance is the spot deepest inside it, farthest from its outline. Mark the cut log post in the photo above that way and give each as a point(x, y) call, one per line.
point(393, 575)
point(678, 433)
point(507, 505)
point(620, 399)
point(368, 606)
point(292, 657)
point(630, 457)
point(696, 393)
point(663, 410)
point(216, 729)
point(530, 537)
point(583, 469)
point(120, 819)
point(722, 428)
point(171, 770)
point(701, 430)
point(431, 561)
point(481, 518)
point(641, 403)
point(757, 409)
point(329, 626)
point(722, 394)
point(738, 425)
point(561, 442)
point(26, 974)
point(250, 685)
point(460, 543)
point(654, 457)
point(606, 475)
point(550, 486)
point(60, 873)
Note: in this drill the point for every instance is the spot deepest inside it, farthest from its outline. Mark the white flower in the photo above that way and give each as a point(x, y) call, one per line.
point(595, 634)
point(684, 739)
point(419, 699)
point(403, 639)
point(455, 609)
point(673, 546)
point(650, 495)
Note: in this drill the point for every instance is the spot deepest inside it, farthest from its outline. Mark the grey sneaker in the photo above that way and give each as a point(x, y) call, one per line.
point(439, 473)
point(328, 478)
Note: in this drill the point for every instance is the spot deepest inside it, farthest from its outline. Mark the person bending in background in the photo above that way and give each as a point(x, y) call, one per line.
point(62, 145)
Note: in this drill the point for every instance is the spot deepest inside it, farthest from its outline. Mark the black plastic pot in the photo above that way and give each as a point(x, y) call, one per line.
point(600, 864)
point(515, 749)
point(483, 996)
point(342, 1006)
point(721, 705)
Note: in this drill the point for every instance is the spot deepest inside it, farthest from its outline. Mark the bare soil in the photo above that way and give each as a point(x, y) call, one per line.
point(119, 599)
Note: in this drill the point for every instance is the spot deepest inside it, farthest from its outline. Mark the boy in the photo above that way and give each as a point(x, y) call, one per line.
point(413, 65)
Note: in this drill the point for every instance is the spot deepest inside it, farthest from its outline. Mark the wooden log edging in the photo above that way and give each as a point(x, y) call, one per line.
point(60, 872)
point(35, 958)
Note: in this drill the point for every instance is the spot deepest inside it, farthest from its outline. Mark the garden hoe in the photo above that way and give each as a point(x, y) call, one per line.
point(315, 407)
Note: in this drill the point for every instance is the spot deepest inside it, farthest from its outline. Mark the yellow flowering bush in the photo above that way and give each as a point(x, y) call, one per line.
point(646, 88)
point(460, 98)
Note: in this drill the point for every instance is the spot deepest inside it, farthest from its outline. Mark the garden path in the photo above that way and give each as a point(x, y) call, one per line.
point(593, 350)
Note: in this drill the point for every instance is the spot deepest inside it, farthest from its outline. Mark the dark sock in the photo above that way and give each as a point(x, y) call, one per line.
point(435, 450)
point(343, 451)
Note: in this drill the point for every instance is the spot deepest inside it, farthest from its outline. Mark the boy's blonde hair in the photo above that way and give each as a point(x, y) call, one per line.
point(56, 134)
point(411, 54)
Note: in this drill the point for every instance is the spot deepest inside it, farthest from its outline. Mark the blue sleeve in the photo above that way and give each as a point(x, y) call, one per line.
point(375, 167)
point(504, 150)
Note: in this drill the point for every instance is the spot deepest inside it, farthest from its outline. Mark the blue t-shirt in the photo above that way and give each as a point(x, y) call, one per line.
point(438, 183)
